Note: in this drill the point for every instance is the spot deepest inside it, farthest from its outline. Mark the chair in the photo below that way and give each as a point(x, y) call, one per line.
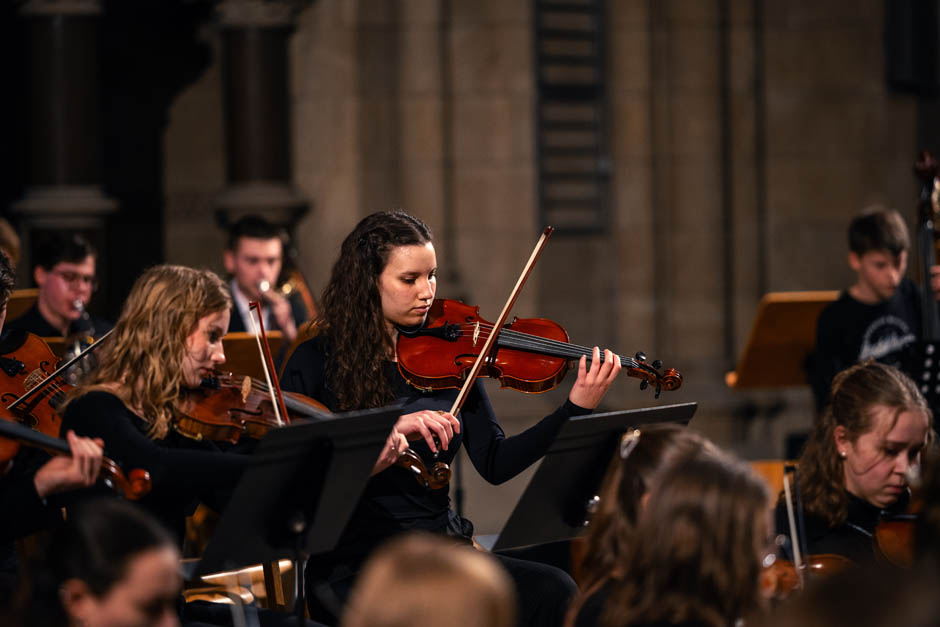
point(308, 330)
point(20, 301)
point(772, 471)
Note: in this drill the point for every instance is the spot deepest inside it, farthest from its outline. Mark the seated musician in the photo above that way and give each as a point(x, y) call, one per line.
point(856, 464)
point(29, 479)
point(697, 549)
point(166, 341)
point(880, 313)
point(612, 529)
point(254, 258)
point(386, 277)
point(64, 271)
point(109, 564)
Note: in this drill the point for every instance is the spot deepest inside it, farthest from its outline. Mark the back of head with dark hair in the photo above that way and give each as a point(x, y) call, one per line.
point(7, 278)
point(613, 525)
point(99, 539)
point(255, 227)
point(62, 246)
point(878, 229)
point(95, 545)
point(702, 530)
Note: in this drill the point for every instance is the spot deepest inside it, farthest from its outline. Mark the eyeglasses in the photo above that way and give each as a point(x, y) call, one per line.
point(75, 278)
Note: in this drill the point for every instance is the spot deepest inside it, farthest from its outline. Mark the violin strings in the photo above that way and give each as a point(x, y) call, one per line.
point(289, 402)
point(535, 343)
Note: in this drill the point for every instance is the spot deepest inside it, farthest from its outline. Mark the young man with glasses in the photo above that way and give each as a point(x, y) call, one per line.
point(64, 271)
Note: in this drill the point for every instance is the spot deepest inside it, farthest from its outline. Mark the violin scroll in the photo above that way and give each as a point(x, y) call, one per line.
point(134, 487)
point(652, 374)
point(437, 478)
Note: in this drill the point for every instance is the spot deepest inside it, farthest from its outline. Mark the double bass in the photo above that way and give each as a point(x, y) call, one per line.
point(922, 359)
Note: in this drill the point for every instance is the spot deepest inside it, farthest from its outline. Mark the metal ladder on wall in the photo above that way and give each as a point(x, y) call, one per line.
point(572, 154)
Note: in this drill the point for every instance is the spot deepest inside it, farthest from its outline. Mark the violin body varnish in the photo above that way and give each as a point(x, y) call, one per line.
point(441, 354)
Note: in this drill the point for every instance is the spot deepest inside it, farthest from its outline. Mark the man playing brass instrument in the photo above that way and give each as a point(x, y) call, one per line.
point(254, 258)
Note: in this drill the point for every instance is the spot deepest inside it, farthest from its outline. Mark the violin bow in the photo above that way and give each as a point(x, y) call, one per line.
point(49, 379)
point(794, 538)
point(267, 364)
point(487, 346)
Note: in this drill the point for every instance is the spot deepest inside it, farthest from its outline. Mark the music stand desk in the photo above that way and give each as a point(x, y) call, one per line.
point(554, 504)
point(241, 352)
point(782, 336)
point(299, 490)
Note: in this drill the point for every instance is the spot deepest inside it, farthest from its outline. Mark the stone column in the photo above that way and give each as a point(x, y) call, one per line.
point(255, 79)
point(63, 173)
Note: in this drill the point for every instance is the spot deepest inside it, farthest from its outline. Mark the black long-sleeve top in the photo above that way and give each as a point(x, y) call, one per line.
point(393, 501)
point(22, 511)
point(182, 471)
point(853, 539)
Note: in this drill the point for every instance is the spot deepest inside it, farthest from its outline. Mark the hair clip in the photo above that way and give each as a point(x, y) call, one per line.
point(628, 442)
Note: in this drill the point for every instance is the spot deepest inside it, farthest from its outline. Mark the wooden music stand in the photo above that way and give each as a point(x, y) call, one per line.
point(783, 335)
point(241, 353)
point(20, 302)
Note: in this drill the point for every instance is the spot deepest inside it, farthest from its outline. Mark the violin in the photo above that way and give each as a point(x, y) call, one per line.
point(535, 357)
point(779, 577)
point(227, 407)
point(29, 363)
point(133, 486)
point(531, 354)
point(894, 536)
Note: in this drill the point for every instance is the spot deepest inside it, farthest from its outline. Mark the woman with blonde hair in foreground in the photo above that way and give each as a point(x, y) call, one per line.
point(430, 581)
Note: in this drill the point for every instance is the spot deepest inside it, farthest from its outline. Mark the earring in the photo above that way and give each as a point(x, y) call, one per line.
point(843, 454)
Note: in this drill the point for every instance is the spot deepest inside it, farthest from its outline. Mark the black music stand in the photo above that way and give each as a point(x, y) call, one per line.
point(554, 506)
point(295, 497)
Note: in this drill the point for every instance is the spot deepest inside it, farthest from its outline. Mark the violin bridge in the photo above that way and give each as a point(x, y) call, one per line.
point(476, 333)
point(246, 389)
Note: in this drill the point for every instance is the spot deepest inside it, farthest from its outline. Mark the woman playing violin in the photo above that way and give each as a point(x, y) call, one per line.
point(169, 337)
point(30, 478)
point(386, 278)
point(857, 461)
point(166, 341)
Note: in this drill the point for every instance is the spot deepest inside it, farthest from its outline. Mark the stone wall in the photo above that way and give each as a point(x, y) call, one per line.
point(732, 175)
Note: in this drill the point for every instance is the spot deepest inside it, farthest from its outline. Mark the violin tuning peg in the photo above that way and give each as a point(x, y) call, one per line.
point(644, 384)
point(657, 364)
point(659, 390)
point(640, 356)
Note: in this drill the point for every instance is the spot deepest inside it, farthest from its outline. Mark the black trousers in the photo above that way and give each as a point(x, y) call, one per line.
point(543, 592)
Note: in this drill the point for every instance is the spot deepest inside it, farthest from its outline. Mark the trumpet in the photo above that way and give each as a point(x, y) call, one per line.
point(293, 286)
point(81, 338)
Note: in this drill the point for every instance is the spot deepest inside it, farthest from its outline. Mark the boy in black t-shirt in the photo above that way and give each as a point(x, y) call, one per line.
point(879, 315)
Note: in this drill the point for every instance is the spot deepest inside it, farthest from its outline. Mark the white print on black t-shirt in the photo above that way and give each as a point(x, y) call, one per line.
point(884, 336)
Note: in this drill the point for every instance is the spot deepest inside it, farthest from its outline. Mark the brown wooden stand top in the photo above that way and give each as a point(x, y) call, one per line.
point(783, 334)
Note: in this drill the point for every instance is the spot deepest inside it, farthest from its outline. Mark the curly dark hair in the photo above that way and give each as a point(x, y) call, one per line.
point(352, 308)
point(7, 279)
